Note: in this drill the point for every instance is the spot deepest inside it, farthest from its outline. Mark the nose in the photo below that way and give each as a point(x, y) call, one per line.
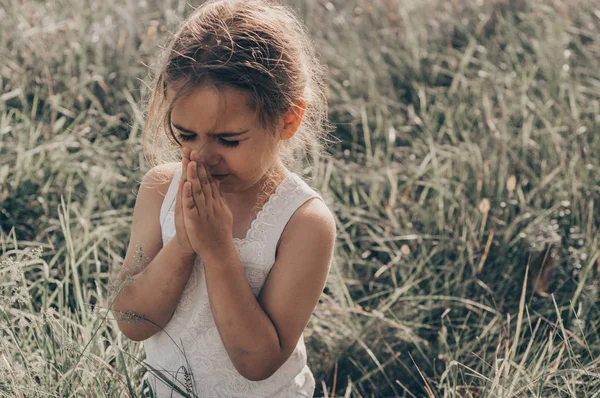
point(206, 153)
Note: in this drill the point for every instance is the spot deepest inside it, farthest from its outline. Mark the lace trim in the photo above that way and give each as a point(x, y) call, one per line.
point(252, 246)
point(254, 243)
point(194, 331)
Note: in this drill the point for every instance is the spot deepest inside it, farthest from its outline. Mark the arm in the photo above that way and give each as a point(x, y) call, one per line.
point(153, 277)
point(260, 335)
point(153, 293)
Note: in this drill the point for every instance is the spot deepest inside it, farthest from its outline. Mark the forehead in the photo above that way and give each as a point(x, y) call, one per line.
point(208, 108)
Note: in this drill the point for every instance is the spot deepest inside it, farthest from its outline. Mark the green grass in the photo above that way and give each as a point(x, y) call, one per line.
point(465, 184)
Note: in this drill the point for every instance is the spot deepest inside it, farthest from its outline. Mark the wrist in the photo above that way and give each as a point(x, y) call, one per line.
point(184, 254)
point(226, 254)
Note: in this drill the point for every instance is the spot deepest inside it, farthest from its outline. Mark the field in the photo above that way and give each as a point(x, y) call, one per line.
point(464, 174)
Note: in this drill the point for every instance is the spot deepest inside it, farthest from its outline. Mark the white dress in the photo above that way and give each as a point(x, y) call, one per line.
point(193, 330)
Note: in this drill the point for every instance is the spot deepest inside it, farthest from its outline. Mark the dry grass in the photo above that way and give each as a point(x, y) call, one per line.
point(465, 185)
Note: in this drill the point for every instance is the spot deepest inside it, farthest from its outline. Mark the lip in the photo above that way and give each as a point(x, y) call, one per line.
point(220, 177)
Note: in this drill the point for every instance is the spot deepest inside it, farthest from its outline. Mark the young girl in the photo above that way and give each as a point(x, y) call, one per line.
point(236, 252)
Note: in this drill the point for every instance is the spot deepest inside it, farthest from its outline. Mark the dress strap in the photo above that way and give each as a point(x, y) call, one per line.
point(294, 194)
point(168, 203)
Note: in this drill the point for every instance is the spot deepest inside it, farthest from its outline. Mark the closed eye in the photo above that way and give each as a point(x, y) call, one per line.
point(229, 143)
point(191, 137)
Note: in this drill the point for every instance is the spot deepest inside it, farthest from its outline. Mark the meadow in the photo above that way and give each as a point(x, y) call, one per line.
point(464, 175)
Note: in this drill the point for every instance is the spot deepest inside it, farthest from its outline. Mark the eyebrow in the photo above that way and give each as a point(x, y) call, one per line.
point(224, 134)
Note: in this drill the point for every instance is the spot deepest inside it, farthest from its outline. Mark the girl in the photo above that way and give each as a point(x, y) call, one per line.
point(224, 271)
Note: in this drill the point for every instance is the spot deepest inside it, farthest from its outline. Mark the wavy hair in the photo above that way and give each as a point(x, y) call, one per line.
point(259, 46)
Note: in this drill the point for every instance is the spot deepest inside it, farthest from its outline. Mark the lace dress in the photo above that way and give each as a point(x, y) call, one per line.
point(206, 369)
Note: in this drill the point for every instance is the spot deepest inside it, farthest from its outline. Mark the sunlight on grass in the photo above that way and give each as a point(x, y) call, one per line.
point(465, 184)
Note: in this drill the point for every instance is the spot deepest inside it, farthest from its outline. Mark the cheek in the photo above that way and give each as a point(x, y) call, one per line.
point(260, 153)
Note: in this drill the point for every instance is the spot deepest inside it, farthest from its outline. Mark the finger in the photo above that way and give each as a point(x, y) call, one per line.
point(181, 196)
point(210, 177)
point(185, 152)
point(185, 161)
point(192, 171)
point(219, 198)
point(189, 206)
point(203, 176)
point(197, 192)
point(178, 198)
point(214, 186)
point(179, 212)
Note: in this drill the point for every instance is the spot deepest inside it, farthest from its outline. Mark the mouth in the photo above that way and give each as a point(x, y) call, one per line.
point(220, 177)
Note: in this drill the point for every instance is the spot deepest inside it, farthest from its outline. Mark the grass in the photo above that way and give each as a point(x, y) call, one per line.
point(465, 185)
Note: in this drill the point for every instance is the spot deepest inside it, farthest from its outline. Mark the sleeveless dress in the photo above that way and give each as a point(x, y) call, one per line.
point(189, 351)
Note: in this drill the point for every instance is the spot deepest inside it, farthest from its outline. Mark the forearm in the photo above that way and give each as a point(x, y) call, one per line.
point(248, 334)
point(152, 294)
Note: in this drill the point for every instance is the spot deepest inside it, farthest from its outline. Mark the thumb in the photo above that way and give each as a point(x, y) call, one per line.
point(178, 201)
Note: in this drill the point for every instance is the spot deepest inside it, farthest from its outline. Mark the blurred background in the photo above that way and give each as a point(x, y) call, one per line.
point(464, 179)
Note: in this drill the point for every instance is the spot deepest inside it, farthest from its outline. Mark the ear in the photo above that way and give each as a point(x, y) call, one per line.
point(292, 120)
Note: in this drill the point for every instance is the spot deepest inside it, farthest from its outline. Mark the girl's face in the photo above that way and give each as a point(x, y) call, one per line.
point(222, 127)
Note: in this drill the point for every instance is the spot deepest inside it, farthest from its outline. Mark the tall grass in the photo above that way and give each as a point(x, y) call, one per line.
point(465, 185)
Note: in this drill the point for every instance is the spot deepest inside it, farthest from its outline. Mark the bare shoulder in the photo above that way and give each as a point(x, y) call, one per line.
point(312, 217)
point(313, 209)
point(157, 180)
point(145, 229)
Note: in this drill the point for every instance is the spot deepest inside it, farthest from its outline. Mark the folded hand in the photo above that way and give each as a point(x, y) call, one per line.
point(207, 217)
